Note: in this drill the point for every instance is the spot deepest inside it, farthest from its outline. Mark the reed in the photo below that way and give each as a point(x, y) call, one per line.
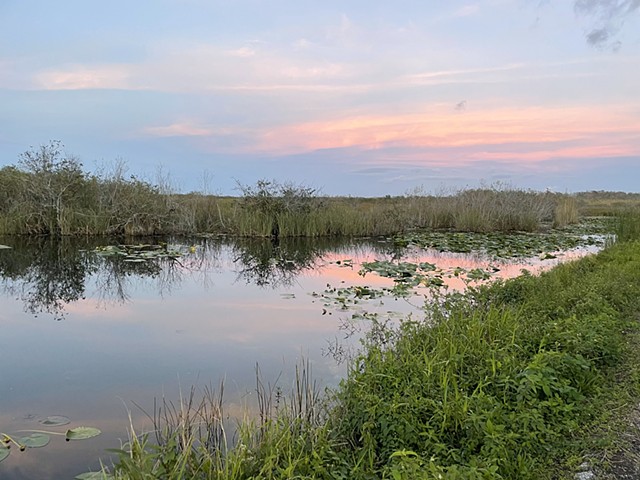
point(627, 225)
point(195, 439)
point(566, 211)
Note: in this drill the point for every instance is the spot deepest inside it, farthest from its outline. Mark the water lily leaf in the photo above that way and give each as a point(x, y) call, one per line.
point(94, 476)
point(35, 440)
point(55, 420)
point(81, 433)
point(4, 247)
point(288, 295)
point(4, 453)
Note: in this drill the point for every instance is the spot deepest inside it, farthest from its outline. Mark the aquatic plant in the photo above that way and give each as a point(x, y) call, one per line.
point(41, 438)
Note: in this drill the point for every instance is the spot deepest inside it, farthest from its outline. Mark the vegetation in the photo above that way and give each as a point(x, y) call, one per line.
point(49, 193)
point(524, 378)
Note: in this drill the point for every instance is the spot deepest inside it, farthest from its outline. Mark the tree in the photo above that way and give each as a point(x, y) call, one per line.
point(53, 180)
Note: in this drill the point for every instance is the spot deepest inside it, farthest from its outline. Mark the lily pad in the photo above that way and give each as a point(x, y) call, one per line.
point(4, 453)
point(4, 247)
point(55, 420)
point(35, 440)
point(82, 433)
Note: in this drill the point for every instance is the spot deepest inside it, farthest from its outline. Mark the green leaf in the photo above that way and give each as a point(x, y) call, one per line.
point(94, 476)
point(35, 440)
point(81, 433)
point(4, 453)
point(55, 420)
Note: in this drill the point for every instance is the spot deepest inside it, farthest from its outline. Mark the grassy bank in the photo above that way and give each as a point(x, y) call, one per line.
point(49, 193)
point(522, 379)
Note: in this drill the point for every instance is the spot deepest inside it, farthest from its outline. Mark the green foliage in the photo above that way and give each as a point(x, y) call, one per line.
point(41, 438)
point(49, 193)
point(627, 225)
point(501, 380)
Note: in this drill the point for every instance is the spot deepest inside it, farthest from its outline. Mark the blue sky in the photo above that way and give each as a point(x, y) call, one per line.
point(352, 97)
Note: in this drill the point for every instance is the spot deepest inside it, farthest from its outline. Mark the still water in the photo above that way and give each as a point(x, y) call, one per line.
point(97, 338)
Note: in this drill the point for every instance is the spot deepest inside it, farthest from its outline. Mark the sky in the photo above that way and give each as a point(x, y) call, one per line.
point(352, 97)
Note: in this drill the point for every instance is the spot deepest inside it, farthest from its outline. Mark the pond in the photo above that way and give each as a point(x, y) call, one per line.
point(94, 333)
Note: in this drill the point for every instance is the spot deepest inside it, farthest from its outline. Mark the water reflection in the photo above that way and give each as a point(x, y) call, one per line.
point(275, 262)
point(46, 274)
point(49, 274)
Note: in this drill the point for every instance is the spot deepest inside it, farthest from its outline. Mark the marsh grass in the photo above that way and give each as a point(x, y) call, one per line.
point(49, 193)
point(196, 439)
point(566, 211)
point(627, 225)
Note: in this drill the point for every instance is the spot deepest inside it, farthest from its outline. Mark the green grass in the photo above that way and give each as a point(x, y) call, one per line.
point(522, 379)
point(627, 224)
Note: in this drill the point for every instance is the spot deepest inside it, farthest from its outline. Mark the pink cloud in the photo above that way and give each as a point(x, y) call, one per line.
point(535, 134)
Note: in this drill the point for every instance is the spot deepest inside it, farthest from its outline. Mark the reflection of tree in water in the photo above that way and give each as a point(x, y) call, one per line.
point(49, 273)
point(46, 273)
point(116, 277)
point(277, 262)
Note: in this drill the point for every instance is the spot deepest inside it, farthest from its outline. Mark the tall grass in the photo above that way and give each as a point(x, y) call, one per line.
point(627, 225)
point(49, 193)
point(566, 211)
point(194, 439)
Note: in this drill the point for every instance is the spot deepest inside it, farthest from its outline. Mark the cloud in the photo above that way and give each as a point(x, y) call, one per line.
point(527, 135)
point(435, 136)
point(610, 16)
point(81, 77)
point(206, 68)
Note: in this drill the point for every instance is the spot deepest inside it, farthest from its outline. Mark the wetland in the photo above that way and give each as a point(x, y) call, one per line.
point(98, 329)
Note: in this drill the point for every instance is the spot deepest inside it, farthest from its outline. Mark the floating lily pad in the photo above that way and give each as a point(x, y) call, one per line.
point(35, 440)
point(81, 433)
point(138, 253)
point(55, 420)
point(288, 296)
point(4, 453)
